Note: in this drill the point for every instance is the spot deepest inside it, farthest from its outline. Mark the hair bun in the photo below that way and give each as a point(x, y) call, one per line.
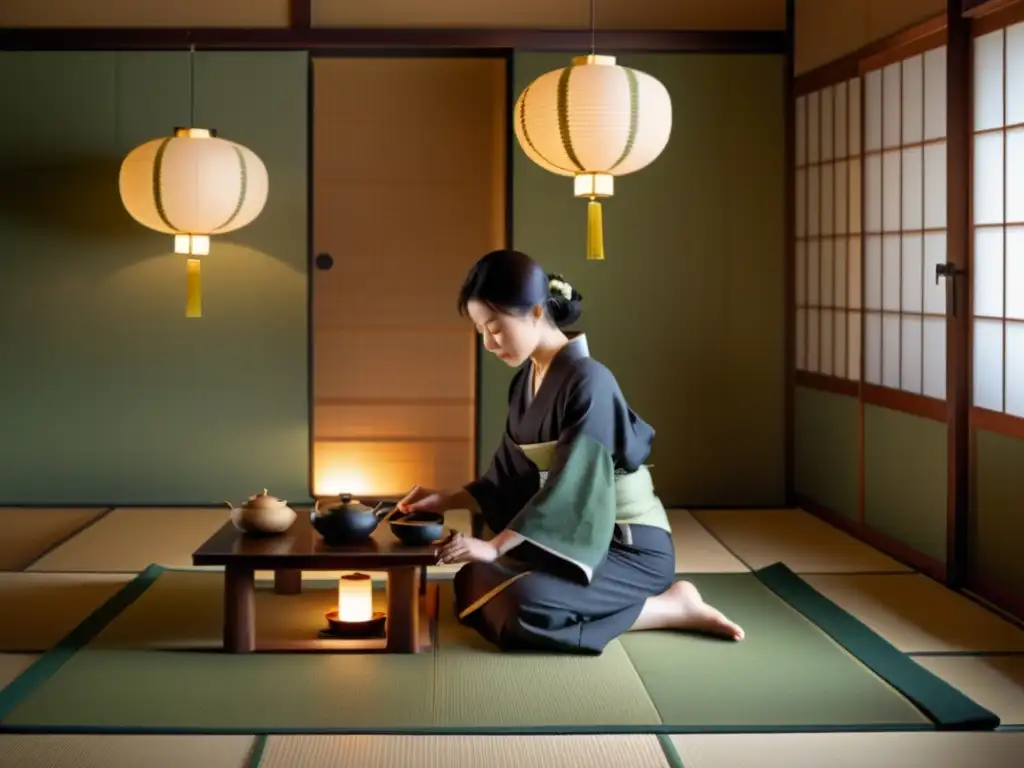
point(564, 301)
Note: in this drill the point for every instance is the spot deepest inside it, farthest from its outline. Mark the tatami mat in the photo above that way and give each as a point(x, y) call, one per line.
point(130, 539)
point(785, 673)
point(852, 750)
point(463, 752)
point(761, 537)
point(38, 609)
point(917, 614)
point(477, 686)
point(29, 533)
point(52, 751)
point(12, 665)
point(120, 679)
point(995, 682)
point(697, 551)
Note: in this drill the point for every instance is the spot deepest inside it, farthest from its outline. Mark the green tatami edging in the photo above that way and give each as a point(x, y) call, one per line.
point(49, 664)
point(947, 707)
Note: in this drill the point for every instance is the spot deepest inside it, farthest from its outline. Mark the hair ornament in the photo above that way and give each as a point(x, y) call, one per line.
point(558, 285)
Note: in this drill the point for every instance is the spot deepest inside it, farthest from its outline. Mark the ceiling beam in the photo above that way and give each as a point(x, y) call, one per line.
point(346, 39)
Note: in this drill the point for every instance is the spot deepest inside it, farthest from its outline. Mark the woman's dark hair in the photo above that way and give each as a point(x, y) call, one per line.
point(512, 283)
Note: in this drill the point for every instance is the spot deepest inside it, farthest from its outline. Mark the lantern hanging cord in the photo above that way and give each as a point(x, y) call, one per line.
point(593, 16)
point(192, 86)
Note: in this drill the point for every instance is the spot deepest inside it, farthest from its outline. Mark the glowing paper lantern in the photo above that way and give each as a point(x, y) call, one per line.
point(355, 598)
point(193, 185)
point(594, 120)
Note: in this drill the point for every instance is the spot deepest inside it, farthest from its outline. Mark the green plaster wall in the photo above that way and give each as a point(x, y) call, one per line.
point(687, 309)
point(905, 461)
point(826, 449)
point(110, 395)
point(997, 514)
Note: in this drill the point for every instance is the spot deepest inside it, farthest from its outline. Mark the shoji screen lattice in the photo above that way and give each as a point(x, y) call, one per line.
point(998, 259)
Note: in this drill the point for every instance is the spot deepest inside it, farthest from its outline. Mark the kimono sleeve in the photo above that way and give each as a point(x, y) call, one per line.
point(573, 515)
point(502, 490)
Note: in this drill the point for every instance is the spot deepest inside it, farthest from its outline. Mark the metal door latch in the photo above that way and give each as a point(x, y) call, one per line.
point(949, 269)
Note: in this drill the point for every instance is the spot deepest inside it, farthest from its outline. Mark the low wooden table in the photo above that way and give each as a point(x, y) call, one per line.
point(300, 549)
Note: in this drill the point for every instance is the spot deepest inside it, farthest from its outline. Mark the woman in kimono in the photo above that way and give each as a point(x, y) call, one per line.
point(582, 549)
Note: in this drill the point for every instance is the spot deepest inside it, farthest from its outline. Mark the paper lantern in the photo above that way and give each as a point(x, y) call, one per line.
point(594, 120)
point(355, 598)
point(193, 185)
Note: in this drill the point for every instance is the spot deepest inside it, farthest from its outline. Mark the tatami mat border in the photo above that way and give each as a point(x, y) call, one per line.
point(260, 746)
point(50, 662)
point(947, 707)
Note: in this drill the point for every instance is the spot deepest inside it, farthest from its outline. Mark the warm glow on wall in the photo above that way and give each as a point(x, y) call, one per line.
point(329, 481)
point(386, 467)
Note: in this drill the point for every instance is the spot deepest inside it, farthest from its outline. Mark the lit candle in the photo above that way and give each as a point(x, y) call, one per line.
point(355, 598)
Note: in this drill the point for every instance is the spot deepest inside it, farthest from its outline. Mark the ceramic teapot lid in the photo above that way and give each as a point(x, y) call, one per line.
point(264, 501)
point(347, 502)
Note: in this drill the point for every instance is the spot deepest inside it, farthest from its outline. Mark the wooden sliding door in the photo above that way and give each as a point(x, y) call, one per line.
point(408, 191)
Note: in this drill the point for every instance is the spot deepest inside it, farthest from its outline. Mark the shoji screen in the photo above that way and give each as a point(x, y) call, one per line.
point(408, 192)
point(999, 221)
point(905, 224)
point(828, 231)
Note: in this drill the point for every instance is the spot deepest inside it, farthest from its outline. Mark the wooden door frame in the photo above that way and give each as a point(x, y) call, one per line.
point(959, 77)
point(507, 55)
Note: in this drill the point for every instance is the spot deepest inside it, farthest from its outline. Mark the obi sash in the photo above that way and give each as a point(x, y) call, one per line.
point(575, 519)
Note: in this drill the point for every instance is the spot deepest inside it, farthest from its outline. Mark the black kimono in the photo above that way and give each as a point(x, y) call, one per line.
point(590, 541)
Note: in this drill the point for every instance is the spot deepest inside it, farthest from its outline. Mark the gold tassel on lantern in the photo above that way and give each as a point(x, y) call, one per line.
point(595, 232)
point(194, 289)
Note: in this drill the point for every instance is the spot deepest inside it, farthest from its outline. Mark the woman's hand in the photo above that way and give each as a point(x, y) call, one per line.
point(432, 500)
point(465, 549)
point(426, 500)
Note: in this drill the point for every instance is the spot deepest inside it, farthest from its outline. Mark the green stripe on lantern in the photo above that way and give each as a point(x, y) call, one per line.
point(526, 133)
point(563, 117)
point(243, 183)
point(634, 116)
point(158, 200)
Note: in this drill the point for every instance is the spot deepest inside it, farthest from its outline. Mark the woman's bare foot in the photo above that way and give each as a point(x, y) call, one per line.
point(682, 608)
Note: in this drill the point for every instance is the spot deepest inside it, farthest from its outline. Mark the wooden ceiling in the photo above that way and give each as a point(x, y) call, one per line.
point(537, 14)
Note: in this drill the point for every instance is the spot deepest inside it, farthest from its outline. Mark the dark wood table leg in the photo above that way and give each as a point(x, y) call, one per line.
point(239, 610)
point(403, 610)
point(287, 581)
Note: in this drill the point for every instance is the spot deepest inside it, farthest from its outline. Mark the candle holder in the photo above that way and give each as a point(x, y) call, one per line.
point(353, 630)
point(354, 617)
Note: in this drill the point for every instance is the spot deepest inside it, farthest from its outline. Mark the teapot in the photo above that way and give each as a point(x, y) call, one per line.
point(262, 514)
point(348, 521)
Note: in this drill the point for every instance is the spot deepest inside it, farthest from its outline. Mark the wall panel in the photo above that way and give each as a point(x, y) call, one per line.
point(408, 192)
point(113, 396)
